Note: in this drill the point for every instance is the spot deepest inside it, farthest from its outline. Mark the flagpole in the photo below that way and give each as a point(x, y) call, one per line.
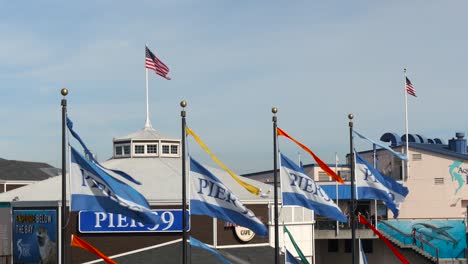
point(336, 189)
point(184, 197)
point(406, 127)
point(147, 123)
point(64, 93)
point(374, 149)
point(274, 110)
point(352, 214)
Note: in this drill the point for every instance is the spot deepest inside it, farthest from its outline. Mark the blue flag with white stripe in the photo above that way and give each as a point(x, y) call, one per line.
point(299, 189)
point(398, 154)
point(197, 243)
point(375, 186)
point(290, 259)
point(93, 189)
point(209, 196)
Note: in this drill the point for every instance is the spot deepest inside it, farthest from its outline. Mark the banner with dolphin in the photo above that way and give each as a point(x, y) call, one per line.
point(447, 235)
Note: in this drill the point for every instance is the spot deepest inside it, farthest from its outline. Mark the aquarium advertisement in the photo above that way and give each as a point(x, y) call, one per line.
point(447, 236)
point(35, 236)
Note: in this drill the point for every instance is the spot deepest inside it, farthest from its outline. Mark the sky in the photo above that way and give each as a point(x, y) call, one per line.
point(232, 61)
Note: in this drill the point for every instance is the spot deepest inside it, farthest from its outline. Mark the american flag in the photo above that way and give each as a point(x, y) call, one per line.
point(153, 63)
point(410, 88)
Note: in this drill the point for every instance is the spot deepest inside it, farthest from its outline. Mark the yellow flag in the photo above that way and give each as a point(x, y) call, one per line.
point(247, 186)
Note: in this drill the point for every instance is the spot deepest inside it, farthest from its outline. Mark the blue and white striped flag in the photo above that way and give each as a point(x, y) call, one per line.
point(93, 189)
point(299, 189)
point(373, 185)
point(197, 243)
point(209, 196)
point(290, 259)
point(398, 154)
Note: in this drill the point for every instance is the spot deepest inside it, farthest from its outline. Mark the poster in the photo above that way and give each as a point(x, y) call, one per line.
point(448, 236)
point(35, 236)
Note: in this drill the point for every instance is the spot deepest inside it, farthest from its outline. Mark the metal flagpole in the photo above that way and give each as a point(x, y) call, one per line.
point(336, 189)
point(184, 194)
point(274, 110)
point(406, 128)
point(148, 122)
point(64, 92)
point(374, 149)
point(353, 201)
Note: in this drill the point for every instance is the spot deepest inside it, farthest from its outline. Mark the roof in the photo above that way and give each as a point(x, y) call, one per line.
point(147, 133)
point(15, 170)
point(439, 149)
point(160, 177)
point(172, 254)
point(344, 191)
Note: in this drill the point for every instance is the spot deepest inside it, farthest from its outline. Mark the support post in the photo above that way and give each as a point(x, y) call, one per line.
point(353, 200)
point(274, 110)
point(184, 192)
point(64, 93)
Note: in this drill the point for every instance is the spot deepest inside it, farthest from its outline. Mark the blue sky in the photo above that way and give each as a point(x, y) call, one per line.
point(232, 61)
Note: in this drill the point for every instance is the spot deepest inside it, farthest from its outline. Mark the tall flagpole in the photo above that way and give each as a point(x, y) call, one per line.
point(336, 189)
point(64, 92)
point(353, 201)
point(184, 197)
point(148, 122)
point(374, 150)
point(406, 128)
point(274, 110)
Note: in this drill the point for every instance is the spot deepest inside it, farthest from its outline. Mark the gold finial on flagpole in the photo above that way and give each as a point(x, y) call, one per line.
point(64, 91)
point(274, 110)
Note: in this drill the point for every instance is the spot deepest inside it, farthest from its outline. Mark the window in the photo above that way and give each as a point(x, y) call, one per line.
point(165, 149)
point(118, 150)
point(438, 181)
point(152, 149)
point(333, 245)
point(347, 245)
point(292, 215)
point(323, 176)
point(345, 175)
point(174, 149)
point(417, 156)
point(367, 245)
point(126, 149)
point(139, 149)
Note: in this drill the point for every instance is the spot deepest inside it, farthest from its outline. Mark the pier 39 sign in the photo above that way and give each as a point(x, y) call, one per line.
point(102, 222)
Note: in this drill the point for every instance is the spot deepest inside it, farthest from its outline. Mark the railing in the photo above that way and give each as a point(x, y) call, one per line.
point(5, 259)
point(408, 239)
point(321, 224)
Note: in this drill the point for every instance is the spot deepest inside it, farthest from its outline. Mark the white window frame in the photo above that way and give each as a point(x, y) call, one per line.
point(123, 155)
point(135, 145)
point(170, 145)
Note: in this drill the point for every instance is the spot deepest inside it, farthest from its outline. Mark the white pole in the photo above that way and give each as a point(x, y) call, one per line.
point(147, 123)
point(406, 128)
point(374, 148)
point(336, 189)
point(215, 232)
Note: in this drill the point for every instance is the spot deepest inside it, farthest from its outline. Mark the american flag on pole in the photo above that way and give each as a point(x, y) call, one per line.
point(153, 63)
point(410, 88)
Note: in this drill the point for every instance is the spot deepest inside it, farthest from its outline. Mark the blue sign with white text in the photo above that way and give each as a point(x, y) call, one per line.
point(103, 222)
